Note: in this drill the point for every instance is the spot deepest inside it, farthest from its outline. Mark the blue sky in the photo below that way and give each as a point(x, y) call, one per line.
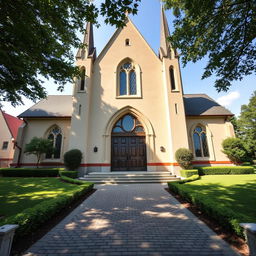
point(148, 23)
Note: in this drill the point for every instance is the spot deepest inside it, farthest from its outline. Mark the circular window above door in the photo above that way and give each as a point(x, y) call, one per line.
point(128, 124)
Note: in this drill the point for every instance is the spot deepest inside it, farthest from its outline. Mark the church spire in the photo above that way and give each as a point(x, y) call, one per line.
point(88, 50)
point(166, 49)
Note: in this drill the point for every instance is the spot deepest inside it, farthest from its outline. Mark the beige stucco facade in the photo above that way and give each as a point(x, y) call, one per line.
point(157, 105)
point(6, 153)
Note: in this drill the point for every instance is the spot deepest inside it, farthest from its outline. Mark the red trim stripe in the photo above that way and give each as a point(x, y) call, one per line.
point(42, 164)
point(108, 165)
point(162, 164)
point(6, 159)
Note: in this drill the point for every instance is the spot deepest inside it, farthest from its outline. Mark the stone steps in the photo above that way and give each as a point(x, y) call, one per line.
point(129, 177)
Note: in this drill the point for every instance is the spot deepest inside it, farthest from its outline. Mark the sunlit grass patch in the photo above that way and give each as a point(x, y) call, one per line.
point(18, 194)
point(230, 199)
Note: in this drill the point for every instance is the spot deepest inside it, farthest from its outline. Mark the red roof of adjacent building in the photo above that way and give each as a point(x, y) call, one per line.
point(13, 124)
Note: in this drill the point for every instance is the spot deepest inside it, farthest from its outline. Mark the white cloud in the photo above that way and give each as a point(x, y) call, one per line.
point(228, 99)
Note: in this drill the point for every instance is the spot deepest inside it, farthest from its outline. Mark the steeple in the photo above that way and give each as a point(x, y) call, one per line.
point(88, 50)
point(166, 49)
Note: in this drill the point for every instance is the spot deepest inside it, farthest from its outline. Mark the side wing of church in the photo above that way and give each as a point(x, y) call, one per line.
point(128, 111)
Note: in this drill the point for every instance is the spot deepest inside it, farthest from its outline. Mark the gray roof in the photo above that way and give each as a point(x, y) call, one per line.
point(61, 106)
point(203, 105)
point(52, 106)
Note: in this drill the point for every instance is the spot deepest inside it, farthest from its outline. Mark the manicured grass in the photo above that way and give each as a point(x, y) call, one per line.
point(18, 194)
point(230, 199)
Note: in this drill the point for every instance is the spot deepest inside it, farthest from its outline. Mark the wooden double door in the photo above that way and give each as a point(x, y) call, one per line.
point(128, 153)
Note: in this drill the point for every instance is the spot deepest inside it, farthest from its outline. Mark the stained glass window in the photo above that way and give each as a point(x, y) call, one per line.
point(132, 81)
point(56, 137)
point(128, 124)
point(123, 89)
point(204, 144)
point(200, 142)
point(127, 80)
point(197, 145)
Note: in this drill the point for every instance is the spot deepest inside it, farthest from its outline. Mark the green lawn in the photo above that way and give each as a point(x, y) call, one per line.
point(18, 194)
point(235, 192)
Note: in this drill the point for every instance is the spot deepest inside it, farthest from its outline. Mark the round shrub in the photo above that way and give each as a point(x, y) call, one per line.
point(234, 149)
point(184, 157)
point(72, 159)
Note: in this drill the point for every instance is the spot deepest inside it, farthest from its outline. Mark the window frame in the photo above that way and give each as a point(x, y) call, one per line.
point(49, 132)
point(204, 131)
point(137, 71)
point(84, 78)
point(5, 145)
point(173, 78)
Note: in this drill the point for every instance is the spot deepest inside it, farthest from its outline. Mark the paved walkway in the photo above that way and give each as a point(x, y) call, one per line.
point(138, 219)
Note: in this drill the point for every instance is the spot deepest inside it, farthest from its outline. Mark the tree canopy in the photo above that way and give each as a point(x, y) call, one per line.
point(38, 147)
point(36, 37)
point(246, 125)
point(222, 30)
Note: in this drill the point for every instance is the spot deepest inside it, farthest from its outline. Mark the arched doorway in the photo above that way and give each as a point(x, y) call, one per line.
point(128, 147)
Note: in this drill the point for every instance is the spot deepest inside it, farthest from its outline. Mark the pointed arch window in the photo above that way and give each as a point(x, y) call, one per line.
point(128, 80)
point(128, 124)
point(55, 135)
point(200, 142)
point(82, 80)
point(172, 79)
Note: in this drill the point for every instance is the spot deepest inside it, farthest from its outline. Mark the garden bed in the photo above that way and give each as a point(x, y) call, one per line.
point(229, 199)
point(31, 202)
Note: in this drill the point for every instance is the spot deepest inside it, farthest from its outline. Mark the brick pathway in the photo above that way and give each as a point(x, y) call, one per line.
point(138, 219)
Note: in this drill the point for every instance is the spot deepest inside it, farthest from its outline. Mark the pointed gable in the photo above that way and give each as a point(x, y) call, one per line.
point(13, 124)
point(120, 32)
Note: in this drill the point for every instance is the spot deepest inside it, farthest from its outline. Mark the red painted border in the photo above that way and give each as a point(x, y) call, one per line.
point(6, 159)
point(108, 165)
point(42, 164)
point(162, 164)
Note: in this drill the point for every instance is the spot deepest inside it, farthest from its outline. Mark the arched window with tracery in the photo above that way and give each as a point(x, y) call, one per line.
point(128, 124)
point(55, 135)
point(127, 79)
point(200, 142)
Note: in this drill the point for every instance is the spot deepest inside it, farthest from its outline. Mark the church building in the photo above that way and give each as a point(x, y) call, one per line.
point(128, 111)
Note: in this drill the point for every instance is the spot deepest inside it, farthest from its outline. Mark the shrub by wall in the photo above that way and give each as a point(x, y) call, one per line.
point(184, 157)
point(188, 173)
point(70, 174)
point(30, 172)
point(221, 170)
point(72, 159)
point(224, 216)
point(30, 219)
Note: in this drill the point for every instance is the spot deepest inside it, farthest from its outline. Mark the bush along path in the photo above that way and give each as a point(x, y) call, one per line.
point(131, 219)
point(31, 202)
point(229, 199)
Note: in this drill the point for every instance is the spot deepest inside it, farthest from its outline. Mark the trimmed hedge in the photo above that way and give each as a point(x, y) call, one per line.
point(30, 219)
point(188, 173)
point(224, 216)
point(73, 181)
point(225, 170)
point(70, 174)
point(30, 172)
